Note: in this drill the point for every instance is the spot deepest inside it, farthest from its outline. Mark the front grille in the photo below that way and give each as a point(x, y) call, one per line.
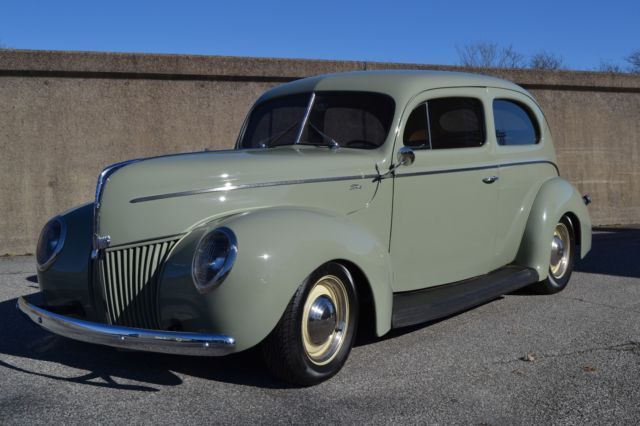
point(130, 278)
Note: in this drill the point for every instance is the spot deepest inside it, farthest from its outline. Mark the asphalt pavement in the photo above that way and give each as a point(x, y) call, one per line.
point(570, 358)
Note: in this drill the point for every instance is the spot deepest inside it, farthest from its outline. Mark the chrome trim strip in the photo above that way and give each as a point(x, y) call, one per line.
point(470, 169)
point(102, 180)
point(426, 105)
point(168, 342)
point(248, 186)
point(332, 179)
point(526, 163)
point(155, 240)
point(306, 117)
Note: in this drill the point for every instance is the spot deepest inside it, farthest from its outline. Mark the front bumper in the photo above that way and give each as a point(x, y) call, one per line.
point(169, 342)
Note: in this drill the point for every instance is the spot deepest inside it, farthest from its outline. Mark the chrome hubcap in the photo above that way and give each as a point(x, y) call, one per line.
point(325, 319)
point(560, 251)
point(322, 320)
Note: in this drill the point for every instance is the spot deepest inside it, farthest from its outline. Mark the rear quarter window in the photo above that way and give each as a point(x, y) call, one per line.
point(515, 123)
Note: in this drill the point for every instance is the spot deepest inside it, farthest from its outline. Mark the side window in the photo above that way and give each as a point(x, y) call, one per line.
point(456, 123)
point(415, 131)
point(515, 124)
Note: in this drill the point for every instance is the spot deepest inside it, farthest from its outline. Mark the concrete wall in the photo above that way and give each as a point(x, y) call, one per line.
point(65, 115)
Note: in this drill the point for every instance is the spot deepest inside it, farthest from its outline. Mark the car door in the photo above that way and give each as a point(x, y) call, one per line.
point(445, 203)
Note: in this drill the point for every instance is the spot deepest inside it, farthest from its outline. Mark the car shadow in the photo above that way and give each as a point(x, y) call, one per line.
point(614, 251)
point(101, 366)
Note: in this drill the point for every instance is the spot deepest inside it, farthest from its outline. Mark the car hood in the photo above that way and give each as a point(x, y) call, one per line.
point(163, 196)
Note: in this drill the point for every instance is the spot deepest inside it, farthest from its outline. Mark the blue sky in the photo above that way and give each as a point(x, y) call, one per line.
point(584, 33)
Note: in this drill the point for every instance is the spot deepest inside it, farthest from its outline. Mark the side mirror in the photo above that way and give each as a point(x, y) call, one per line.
point(406, 156)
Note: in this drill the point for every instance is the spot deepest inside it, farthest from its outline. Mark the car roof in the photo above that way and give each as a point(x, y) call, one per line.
point(400, 84)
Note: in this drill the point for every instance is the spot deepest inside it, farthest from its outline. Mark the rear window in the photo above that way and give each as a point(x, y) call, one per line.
point(514, 123)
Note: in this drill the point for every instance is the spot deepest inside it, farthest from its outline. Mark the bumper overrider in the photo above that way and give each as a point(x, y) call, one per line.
point(169, 342)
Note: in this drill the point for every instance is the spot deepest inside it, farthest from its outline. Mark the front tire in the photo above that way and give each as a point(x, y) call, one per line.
point(563, 248)
point(312, 340)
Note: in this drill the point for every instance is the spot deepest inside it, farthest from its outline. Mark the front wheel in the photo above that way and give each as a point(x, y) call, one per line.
point(562, 255)
point(312, 340)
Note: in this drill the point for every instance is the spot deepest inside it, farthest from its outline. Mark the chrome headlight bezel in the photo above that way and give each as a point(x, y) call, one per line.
point(209, 270)
point(59, 227)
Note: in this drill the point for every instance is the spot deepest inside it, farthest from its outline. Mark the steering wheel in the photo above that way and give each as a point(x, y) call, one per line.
point(361, 143)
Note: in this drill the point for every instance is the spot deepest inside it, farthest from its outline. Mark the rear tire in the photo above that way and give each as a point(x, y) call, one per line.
point(313, 339)
point(563, 248)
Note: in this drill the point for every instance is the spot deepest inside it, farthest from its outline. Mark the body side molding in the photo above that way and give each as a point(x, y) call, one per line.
point(376, 177)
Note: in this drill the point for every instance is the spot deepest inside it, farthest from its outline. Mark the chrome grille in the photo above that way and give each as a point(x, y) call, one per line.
point(130, 278)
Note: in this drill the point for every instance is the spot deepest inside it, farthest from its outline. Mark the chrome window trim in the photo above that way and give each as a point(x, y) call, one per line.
point(529, 113)
point(307, 113)
point(484, 118)
point(313, 93)
point(426, 107)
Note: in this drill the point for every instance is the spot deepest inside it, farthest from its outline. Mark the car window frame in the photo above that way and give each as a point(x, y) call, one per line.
point(429, 146)
point(532, 117)
point(388, 140)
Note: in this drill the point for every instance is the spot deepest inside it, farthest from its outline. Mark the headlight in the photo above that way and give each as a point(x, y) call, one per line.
point(50, 242)
point(215, 254)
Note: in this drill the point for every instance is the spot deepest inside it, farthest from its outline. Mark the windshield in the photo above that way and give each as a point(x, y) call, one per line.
point(346, 119)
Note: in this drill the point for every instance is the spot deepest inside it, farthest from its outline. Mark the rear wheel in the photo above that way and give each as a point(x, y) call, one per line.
point(562, 255)
point(312, 340)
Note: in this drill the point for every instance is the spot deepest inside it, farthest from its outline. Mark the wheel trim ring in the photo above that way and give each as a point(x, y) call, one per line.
point(332, 287)
point(561, 237)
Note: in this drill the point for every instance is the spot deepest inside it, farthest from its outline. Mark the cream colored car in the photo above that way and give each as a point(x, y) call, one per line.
point(351, 202)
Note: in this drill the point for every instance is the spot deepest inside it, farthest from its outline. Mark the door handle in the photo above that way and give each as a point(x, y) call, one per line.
point(490, 179)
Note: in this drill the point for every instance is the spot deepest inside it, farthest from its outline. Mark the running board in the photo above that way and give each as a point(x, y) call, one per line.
point(415, 307)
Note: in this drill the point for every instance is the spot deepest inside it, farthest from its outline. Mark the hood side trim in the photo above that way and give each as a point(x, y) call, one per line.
point(247, 186)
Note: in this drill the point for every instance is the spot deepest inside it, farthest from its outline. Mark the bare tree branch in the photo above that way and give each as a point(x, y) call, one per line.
point(634, 61)
point(481, 55)
point(489, 55)
point(545, 61)
point(606, 66)
point(509, 58)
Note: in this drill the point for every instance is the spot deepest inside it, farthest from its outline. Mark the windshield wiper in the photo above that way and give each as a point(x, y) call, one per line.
point(271, 140)
point(332, 142)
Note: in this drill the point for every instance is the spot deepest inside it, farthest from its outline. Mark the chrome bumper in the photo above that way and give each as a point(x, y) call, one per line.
point(169, 342)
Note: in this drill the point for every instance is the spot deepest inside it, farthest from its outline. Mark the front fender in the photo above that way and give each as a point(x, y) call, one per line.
point(555, 198)
point(277, 249)
point(67, 281)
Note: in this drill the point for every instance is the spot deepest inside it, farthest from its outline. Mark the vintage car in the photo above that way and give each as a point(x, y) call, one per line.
point(360, 201)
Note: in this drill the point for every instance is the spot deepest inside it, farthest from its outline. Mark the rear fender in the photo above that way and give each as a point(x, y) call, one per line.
point(555, 198)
